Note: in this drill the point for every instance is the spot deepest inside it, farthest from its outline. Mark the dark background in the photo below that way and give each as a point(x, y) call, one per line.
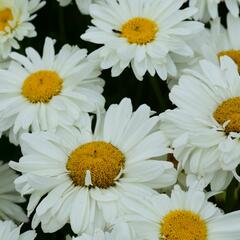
point(66, 25)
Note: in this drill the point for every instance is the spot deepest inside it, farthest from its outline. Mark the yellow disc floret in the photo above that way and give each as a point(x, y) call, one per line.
point(103, 160)
point(42, 86)
point(233, 54)
point(139, 30)
point(229, 110)
point(5, 17)
point(183, 225)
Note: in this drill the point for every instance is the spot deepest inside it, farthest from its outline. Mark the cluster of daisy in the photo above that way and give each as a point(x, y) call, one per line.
point(122, 173)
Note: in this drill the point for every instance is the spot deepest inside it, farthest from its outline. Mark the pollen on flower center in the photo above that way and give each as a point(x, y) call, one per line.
point(5, 16)
point(183, 224)
point(233, 54)
point(42, 86)
point(139, 30)
point(229, 110)
point(103, 160)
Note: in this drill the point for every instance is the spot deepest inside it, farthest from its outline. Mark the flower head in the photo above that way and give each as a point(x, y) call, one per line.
point(83, 175)
point(147, 37)
point(49, 91)
point(184, 215)
point(204, 128)
point(15, 17)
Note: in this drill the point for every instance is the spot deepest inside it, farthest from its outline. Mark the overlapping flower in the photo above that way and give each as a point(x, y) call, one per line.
point(15, 23)
point(184, 215)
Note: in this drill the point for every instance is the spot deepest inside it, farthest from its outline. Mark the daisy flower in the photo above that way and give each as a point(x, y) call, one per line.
point(144, 34)
point(204, 128)
point(208, 9)
point(41, 93)
point(79, 177)
point(15, 17)
point(9, 231)
point(185, 215)
point(9, 198)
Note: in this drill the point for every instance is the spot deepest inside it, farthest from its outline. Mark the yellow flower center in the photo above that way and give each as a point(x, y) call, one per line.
point(42, 86)
point(101, 159)
point(229, 110)
point(5, 17)
point(139, 30)
point(233, 54)
point(183, 225)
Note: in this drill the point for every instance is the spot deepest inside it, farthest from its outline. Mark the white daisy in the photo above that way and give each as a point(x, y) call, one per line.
point(9, 198)
point(41, 93)
point(208, 9)
point(183, 216)
point(144, 34)
point(82, 176)
point(15, 17)
point(204, 128)
point(9, 231)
